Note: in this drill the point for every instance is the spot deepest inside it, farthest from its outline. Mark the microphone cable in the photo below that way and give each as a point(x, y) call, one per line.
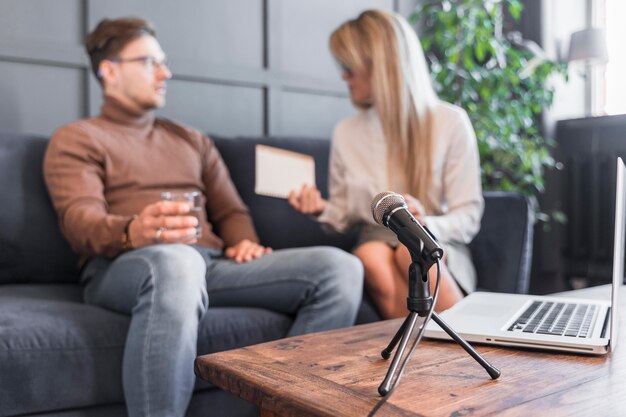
point(417, 339)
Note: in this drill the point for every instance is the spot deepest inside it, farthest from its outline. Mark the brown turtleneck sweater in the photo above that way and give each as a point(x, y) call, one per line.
point(102, 170)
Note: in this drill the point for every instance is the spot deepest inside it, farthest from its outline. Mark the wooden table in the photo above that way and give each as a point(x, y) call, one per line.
point(337, 374)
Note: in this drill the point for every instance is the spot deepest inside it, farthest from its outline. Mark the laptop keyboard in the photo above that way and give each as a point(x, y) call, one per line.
point(549, 317)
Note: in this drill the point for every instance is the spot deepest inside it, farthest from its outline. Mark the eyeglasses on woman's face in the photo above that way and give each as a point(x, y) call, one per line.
point(345, 69)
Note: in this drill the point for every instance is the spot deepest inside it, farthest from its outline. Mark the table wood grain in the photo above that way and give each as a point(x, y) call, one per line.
point(337, 374)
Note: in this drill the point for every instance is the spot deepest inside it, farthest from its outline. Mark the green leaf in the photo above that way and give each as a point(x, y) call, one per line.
point(515, 8)
point(480, 50)
point(468, 59)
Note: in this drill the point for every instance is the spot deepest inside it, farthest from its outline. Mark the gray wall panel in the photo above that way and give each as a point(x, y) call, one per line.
point(302, 28)
point(39, 99)
point(241, 67)
point(406, 7)
point(58, 21)
point(220, 32)
point(218, 109)
point(310, 114)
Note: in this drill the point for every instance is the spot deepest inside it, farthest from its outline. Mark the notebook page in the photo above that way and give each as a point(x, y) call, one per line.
point(279, 171)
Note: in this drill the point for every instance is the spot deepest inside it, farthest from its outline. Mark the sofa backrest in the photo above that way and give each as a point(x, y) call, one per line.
point(32, 248)
point(501, 251)
point(278, 225)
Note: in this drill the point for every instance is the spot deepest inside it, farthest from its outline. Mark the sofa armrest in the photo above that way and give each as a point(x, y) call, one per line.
point(502, 249)
point(32, 248)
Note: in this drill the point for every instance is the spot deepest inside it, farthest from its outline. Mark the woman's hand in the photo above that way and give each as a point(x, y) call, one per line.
point(308, 200)
point(415, 207)
point(245, 251)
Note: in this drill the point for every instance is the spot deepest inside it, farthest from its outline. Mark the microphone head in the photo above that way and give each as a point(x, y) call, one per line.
point(383, 203)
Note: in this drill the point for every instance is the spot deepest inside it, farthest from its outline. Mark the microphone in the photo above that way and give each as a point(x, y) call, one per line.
point(390, 210)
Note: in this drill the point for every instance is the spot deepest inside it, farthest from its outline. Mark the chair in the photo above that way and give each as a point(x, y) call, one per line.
point(502, 249)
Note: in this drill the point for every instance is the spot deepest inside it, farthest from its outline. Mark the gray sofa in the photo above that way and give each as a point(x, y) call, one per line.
point(61, 357)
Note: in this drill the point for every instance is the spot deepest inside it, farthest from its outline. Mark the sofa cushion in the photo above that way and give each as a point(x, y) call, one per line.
point(58, 353)
point(278, 225)
point(55, 351)
point(33, 249)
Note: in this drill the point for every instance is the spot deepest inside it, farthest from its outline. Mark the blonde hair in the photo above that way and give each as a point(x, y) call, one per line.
point(384, 45)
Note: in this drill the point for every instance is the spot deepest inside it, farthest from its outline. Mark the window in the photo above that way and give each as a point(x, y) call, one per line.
point(610, 96)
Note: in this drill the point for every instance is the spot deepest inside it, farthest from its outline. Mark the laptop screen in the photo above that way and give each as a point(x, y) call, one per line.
point(618, 249)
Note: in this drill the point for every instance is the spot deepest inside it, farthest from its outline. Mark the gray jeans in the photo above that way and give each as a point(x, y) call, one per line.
point(167, 288)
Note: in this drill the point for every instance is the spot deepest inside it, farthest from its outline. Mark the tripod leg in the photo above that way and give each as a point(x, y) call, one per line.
point(406, 329)
point(386, 353)
point(493, 372)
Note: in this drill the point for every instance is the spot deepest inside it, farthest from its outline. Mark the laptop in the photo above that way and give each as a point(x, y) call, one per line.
point(544, 322)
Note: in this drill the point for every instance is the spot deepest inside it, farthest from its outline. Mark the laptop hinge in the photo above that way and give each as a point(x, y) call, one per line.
point(607, 322)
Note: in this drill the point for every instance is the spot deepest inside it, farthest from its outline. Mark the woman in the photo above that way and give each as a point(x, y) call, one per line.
point(406, 140)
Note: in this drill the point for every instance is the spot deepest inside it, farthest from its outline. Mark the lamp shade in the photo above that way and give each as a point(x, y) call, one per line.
point(589, 45)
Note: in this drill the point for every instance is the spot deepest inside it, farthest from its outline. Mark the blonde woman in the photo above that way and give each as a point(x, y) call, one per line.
point(406, 140)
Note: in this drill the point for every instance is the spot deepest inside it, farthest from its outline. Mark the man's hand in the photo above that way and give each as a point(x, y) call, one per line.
point(245, 251)
point(163, 222)
point(415, 207)
point(308, 201)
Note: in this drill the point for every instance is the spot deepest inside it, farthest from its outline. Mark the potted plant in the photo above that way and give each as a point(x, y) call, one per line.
point(502, 81)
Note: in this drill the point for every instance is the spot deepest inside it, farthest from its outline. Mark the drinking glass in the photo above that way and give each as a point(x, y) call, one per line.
point(194, 198)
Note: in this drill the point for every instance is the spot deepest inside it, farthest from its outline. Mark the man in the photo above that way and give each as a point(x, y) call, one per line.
point(141, 255)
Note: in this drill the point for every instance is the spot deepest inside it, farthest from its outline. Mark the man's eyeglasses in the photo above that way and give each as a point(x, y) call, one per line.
point(151, 63)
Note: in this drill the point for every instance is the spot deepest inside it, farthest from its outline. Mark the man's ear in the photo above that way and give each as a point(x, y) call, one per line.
point(107, 72)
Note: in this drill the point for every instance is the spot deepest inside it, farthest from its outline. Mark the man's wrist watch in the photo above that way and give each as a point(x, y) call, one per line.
point(126, 242)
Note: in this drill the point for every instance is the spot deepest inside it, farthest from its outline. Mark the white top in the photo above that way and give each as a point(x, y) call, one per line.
point(358, 171)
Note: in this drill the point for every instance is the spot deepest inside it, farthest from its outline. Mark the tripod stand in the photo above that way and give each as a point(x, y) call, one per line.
point(419, 302)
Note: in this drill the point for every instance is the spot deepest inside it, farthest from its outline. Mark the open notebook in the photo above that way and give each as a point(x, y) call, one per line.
point(555, 323)
point(279, 171)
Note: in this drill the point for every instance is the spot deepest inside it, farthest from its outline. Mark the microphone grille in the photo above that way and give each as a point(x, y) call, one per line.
point(383, 203)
